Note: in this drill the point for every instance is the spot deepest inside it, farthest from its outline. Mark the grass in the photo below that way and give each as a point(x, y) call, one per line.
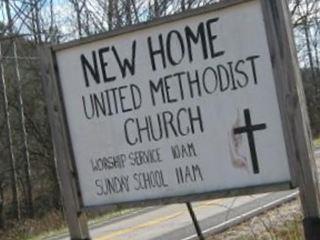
point(259, 228)
point(53, 225)
point(316, 143)
point(27, 228)
point(93, 221)
point(282, 223)
point(291, 230)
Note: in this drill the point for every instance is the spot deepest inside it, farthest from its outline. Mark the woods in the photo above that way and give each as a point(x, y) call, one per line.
point(29, 187)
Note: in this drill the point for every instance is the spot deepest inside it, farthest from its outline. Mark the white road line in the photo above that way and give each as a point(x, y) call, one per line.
point(246, 215)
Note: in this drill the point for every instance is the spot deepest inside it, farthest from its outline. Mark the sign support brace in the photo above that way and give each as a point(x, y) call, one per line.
point(195, 221)
point(293, 112)
point(76, 219)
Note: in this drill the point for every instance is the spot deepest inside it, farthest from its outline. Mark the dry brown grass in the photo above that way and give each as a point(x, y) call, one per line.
point(282, 223)
point(28, 228)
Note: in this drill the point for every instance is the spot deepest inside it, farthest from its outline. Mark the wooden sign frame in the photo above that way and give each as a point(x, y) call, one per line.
point(289, 91)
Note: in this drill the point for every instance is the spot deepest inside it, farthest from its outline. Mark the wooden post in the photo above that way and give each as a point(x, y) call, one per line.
point(293, 111)
point(76, 219)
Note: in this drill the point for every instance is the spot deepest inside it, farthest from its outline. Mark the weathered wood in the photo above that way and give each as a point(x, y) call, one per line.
point(311, 228)
point(76, 219)
point(293, 108)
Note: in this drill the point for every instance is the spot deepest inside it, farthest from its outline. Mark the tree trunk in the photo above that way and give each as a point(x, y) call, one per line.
point(36, 20)
point(183, 5)
point(127, 7)
point(316, 44)
point(13, 169)
point(135, 10)
point(309, 51)
point(78, 16)
point(87, 22)
point(117, 14)
point(26, 155)
point(14, 181)
point(156, 9)
point(51, 15)
point(110, 15)
point(33, 22)
point(2, 219)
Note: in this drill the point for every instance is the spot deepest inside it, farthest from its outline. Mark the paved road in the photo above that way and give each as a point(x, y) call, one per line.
point(317, 153)
point(173, 222)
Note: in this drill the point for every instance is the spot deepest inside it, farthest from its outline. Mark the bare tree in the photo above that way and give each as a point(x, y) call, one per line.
point(78, 7)
point(27, 168)
point(14, 178)
point(35, 20)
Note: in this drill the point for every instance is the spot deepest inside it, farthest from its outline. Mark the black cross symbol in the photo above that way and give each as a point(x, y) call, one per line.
point(249, 129)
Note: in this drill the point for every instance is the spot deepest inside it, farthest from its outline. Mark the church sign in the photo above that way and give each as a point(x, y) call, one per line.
point(181, 108)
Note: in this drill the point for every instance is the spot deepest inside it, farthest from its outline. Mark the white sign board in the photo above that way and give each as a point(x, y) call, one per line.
point(183, 108)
